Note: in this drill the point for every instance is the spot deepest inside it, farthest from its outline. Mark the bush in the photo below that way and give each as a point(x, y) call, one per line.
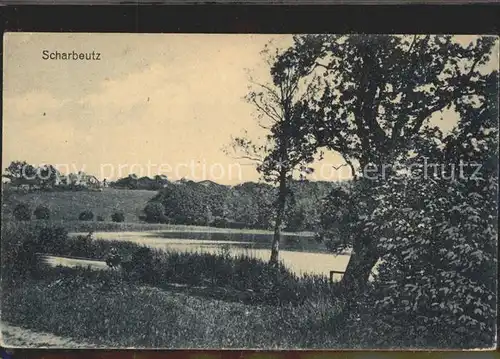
point(155, 212)
point(220, 222)
point(141, 265)
point(118, 217)
point(22, 212)
point(18, 253)
point(86, 216)
point(42, 212)
point(52, 240)
point(100, 218)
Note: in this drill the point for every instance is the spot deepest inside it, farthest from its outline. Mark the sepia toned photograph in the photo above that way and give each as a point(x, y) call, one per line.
point(249, 191)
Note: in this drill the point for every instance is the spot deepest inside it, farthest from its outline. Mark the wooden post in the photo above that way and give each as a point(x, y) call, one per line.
point(332, 272)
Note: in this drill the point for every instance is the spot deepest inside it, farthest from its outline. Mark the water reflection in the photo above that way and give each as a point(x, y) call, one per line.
point(249, 240)
point(302, 254)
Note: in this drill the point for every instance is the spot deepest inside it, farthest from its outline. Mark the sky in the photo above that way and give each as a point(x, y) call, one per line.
point(153, 104)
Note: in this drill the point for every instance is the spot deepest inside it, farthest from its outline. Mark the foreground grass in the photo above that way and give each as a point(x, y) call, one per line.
point(95, 307)
point(263, 283)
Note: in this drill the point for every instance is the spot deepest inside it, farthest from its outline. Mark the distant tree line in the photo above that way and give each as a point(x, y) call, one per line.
point(132, 181)
point(21, 174)
point(248, 205)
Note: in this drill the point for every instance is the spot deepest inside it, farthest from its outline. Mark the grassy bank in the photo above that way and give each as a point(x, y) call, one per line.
point(83, 227)
point(93, 306)
point(67, 205)
point(262, 282)
point(198, 300)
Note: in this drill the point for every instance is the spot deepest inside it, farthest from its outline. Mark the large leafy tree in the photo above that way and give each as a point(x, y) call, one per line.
point(378, 94)
point(438, 232)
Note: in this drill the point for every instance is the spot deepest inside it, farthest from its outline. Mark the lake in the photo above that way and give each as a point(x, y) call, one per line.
point(299, 252)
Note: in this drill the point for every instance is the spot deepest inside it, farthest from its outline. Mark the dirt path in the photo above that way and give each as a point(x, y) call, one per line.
point(17, 337)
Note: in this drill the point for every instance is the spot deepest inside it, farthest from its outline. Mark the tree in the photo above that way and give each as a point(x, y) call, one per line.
point(378, 93)
point(155, 212)
point(118, 217)
point(279, 109)
point(439, 236)
point(48, 176)
point(86, 215)
point(21, 173)
point(188, 202)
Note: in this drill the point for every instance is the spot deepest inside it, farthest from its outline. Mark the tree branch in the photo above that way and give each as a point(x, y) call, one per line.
point(265, 111)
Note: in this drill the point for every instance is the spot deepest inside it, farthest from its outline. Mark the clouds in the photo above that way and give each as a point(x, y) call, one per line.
point(153, 98)
point(163, 99)
point(31, 104)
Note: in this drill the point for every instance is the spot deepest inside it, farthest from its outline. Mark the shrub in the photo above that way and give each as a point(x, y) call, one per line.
point(155, 212)
point(100, 218)
point(22, 212)
point(118, 217)
point(220, 222)
point(18, 252)
point(142, 264)
point(439, 285)
point(42, 212)
point(86, 216)
point(52, 240)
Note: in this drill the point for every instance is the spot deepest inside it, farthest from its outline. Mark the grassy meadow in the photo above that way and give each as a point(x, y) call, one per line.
point(165, 299)
point(168, 299)
point(103, 309)
point(67, 205)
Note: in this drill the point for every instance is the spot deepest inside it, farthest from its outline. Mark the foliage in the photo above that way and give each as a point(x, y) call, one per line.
point(118, 217)
point(18, 253)
point(441, 254)
point(281, 109)
point(264, 283)
point(86, 216)
point(22, 212)
point(155, 212)
point(42, 212)
point(102, 219)
point(247, 205)
point(192, 203)
point(141, 265)
point(376, 96)
point(132, 181)
point(21, 173)
point(50, 239)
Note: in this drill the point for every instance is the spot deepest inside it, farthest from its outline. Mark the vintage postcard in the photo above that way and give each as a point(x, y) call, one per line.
point(249, 191)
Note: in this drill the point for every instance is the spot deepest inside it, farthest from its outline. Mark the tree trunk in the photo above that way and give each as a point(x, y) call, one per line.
point(280, 211)
point(364, 255)
point(276, 244)
point(358, 271)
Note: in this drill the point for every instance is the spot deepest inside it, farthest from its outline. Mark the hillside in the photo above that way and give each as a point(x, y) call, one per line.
point(248, 205)
point(67, 205)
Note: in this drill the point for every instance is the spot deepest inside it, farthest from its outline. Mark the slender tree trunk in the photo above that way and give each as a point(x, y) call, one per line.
point(280, 211)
